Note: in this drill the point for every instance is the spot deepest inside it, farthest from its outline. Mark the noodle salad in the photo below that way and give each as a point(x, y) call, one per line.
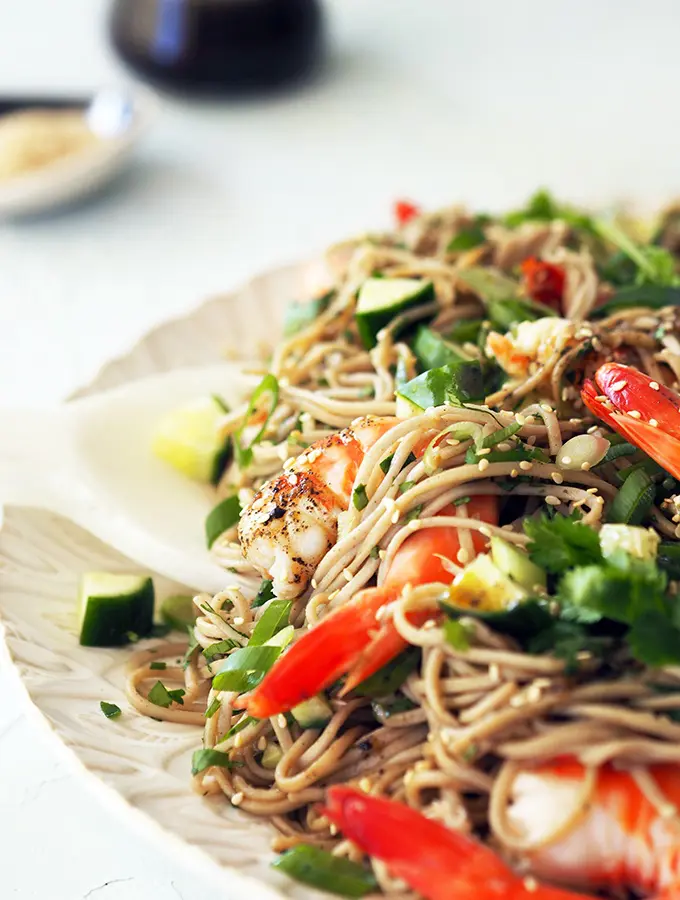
point(446, 660)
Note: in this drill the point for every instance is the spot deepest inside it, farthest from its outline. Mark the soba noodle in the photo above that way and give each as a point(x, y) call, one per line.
point(467, 719)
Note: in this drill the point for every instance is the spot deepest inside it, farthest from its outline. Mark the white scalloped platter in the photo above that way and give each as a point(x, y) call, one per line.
point(139, 767)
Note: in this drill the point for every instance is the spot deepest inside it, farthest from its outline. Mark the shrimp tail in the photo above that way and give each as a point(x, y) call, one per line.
point(435, 861)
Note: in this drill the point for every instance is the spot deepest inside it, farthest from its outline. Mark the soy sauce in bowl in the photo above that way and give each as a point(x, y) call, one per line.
point(226, 46)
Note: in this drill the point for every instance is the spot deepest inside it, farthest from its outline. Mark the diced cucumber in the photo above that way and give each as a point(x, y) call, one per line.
point(456, 383)
point(271, 756)
point(642, 543)
point(114, 608)
point(179, 611)
point(382, 299)
point(432, 350)
point(483, 586)
point(190, 439)
point(517, 565)
point(313, 713)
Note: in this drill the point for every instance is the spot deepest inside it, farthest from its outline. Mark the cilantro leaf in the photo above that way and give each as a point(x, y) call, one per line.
point(654, 640)
point(561, 543)
point(622, 589)
point(566, 640)
point(110, 710)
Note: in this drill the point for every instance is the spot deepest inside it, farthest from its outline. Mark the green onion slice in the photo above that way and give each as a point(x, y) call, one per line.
point(244, 669)
point(221, 518)
point(272, 620)
point(269, 386)
point(320, 869)
point(634, 499)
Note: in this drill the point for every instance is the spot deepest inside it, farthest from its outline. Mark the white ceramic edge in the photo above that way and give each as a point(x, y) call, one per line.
point(74, 177)
point(222, 877)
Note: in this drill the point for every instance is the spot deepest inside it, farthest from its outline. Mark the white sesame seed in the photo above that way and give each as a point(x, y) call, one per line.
point(463, 556)
point(547, 407)
point(601, 397)
point(484, 451)
point(382, 554)
point(653, 423)
point(429, 625)
point(333, 594)
point(634, 414)
point(531, 440)
point(525, 465)
point(314, 583)
point(585, 466)
point(239, 620)
point(483, 465)
point(530, 420)
point(238, 798)
point(551, 500)
point(619, 385)
point(566, 460)
point(494, 673)
point(347, 574)
point(281, 721)
point(654, 385)
point(667, 811)
point(514, 473)
point(575, 421)
point(557, 478)
point(593, 429)
point(530, 884)
point(262, 743)
point(591, 490)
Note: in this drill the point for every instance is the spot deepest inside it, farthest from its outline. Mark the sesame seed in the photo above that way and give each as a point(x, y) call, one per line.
point(593, 429)
point(667, 811)
point(281, 721)
point(333, 829)
point(494, 672)
point(654, 385)
point(238, 798)
point(552, 500)
point(566, 460)
point(547, 407)
point(239, 620)
point(575, 421)
point(483, 465)
point(530, 420)
point(619, 385)
point(463, 556)
point(530, 884)
point(585, 466)
point(525, 465)
point(514, 473)
point(601, 397)
point(429, 625)
point(518, 700)
point(634, 414)
point(333, 594)
point(557, 478)
point(484, 451)
point(653, 423)
point(531, 440)
point(591, 490)
point(365, 784)
point(262, 743)
point(314, 583)
point(382, 554)
point(584, 655)
point(347, 574)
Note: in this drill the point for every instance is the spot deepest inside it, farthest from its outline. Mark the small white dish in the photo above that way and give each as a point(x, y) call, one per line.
point(119, 118)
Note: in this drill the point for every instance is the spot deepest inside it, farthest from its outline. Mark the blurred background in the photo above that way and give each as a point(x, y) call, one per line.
point(433, 100)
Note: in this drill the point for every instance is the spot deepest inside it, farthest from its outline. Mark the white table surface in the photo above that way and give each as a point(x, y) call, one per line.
point(436, 100)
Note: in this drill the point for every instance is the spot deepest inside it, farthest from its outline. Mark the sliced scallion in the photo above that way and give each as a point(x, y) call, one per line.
point(221, 518)
point(244, 669)
point(204, 759)
point(360, 497)
point(633, 500)
point(264, 595)
point(320, 869)
point(244, 452)
point(272, 620)
point(110, 710)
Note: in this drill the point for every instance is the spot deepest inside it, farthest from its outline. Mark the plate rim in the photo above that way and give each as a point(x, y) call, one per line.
point(220, 877)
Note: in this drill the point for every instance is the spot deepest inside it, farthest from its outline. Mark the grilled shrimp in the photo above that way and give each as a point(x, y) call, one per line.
point(620, 840)
point(533, 342)
point(292, 521)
